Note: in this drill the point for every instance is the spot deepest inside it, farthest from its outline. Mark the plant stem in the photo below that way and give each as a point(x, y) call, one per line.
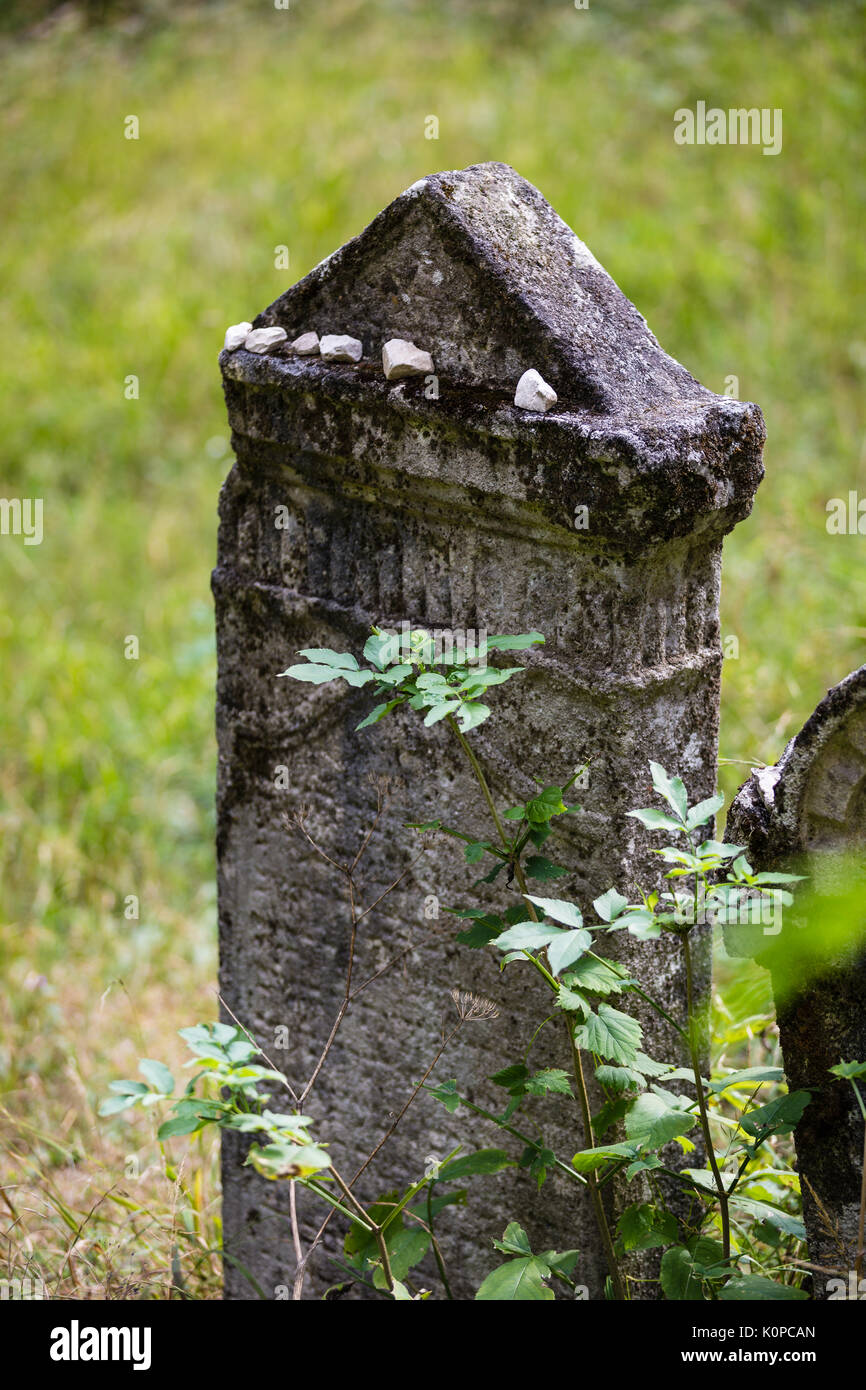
point(702, 1104)
point(377, 1229)
point(861, 1229)
point(440, 1263)
point(579, 1079)
point(592, 1178)
point(481, 779)
point(524, 1138)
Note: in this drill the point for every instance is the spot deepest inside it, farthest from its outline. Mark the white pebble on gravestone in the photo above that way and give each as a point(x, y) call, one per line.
point(307, 345)
point(533, 392)
point(236, 336)
point(338, 347)
point(401, 358)
point(261, 339)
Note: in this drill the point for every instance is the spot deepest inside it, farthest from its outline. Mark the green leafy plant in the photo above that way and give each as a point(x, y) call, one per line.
point(852, 1072)
point(737, 1228)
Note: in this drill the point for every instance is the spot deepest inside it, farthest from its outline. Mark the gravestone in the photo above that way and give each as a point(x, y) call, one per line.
point(808, 815)
point(434, 500)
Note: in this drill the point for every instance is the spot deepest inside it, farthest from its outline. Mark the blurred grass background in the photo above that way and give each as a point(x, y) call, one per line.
point(261, 127)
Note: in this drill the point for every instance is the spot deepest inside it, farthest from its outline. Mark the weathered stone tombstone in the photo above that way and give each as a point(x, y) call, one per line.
point(799, 816)
point(434, 500)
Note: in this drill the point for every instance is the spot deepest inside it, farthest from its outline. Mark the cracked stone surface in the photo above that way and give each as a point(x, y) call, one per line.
point(808, 815)
point(454, 512)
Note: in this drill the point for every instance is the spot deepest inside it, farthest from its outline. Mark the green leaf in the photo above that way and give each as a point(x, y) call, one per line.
point(652, 1123)
point(672, 789)
point(323, 656)
point(548, 803)
point(481, 933)
point(620, 1078)
point(560, 911)
point(406, 1247)
point(572, 1001)
point(181, 1124)
point(157, 1074)
point(701, 813)
point(441, 711)
point(679, 1280)
point(779, 878)
point(610, 1113)
point(446, 1094)
point(539, 833)
point(380, 649)
point(749, 1074)
point(476, 851)
point(520, 1280)
point(537, 1160)
point(115, 1104)
point(494, 872)
point(549, 1079)
point(515, 1241)
point(527, 936)
point(770, 1215)
point(538, 867)
point(471, 714)
point(587, 1160)
point(376, 713)
point(654, 819)
point(645, 1164)
point(641, 923)
point(479, 1164)
point(779, 1116)
point(610, 1034)
point(517, 643)
point(128, 1088)
point(281, 1160)
point(566, 949)
point(649, 1068)
point(562, 1262)
point(395, 675)
point(596, 975)
point(849, 1071)
point(755, 1288)
point(708, 1255)
point(512, 1078)
point(319, 675)
point(645, 1226)
point(610, 905)
point(480, 678)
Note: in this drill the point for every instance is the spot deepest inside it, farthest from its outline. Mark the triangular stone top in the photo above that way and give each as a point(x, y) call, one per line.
point(474, 266)
point(477, 270)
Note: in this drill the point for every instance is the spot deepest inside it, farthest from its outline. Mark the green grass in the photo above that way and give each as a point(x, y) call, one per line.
point(261, 127)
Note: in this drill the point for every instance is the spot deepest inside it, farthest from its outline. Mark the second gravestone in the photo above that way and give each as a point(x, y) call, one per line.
point(434, 500)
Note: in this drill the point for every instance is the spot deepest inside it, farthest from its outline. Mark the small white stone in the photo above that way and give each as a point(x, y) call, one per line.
point(338, 347)
point(236, 336)
point(263, 338)
point(533, 392)
point(402, 358)
point(307, 345)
